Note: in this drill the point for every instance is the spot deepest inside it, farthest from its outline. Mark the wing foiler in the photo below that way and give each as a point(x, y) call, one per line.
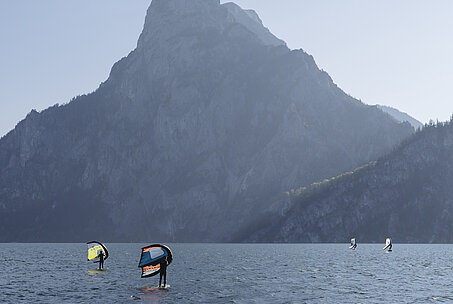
point(94, 249)
point(151, 257)
point(353, 244)
point(388, 244)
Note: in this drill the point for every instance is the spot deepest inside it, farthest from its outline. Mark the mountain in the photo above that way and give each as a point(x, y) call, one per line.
point(189, 138)
point(401, 116)
point(407, 195)
point(251, 20)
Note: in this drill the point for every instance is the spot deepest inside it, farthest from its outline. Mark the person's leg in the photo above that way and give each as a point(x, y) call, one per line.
point(165, 278)
point(160, 280)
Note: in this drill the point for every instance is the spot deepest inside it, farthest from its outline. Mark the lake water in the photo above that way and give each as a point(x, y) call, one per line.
point(230, 273)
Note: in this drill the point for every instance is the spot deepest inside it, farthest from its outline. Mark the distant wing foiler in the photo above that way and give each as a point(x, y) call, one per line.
point(94, 248)
point(388, 242)
point(151, 257)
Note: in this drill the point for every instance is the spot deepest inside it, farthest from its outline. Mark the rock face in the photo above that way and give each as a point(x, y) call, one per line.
point(407, 195)
point(189, 139)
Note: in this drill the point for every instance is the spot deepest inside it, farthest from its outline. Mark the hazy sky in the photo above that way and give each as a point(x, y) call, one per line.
point(397, 53)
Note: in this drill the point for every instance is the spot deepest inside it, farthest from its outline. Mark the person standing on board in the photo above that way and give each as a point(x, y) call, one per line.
point(388, 245)
point(163, 272)
point(101, 260)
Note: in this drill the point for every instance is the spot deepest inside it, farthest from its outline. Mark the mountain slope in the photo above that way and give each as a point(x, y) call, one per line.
point(401, 116)
point(407, 195)
point(188, 139)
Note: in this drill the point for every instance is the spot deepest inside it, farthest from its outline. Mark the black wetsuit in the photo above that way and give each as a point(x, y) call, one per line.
point(163, 272)
point(101, 260)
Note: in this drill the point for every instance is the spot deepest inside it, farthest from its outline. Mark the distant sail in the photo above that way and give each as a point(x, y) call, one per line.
point(353, 244)
point(151, 257)
point(388, 244)
point(94, 248)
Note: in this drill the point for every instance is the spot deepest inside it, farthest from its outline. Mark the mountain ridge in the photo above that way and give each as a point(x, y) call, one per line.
point(401, 116)
point(405, 195)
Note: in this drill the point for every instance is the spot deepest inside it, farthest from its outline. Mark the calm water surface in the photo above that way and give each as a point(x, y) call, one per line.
point(230, 273)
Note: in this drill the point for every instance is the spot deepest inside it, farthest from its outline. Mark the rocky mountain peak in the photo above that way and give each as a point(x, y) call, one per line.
point(168, 18)
point(182, 6)
point(182, 37)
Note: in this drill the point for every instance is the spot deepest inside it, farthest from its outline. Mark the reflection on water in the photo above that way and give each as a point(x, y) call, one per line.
point(153, 294)
point(96, 271)
point(231, 273)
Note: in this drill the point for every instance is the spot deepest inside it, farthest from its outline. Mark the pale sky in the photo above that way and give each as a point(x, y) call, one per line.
point(396, 53)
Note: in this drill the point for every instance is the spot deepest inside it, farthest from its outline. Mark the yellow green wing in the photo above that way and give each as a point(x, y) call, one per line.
point(93, 252)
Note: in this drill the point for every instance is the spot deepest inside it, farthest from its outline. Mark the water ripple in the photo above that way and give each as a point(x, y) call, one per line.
point(231, 273)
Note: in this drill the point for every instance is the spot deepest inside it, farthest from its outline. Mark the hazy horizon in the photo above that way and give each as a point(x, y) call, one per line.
point(395, 54)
